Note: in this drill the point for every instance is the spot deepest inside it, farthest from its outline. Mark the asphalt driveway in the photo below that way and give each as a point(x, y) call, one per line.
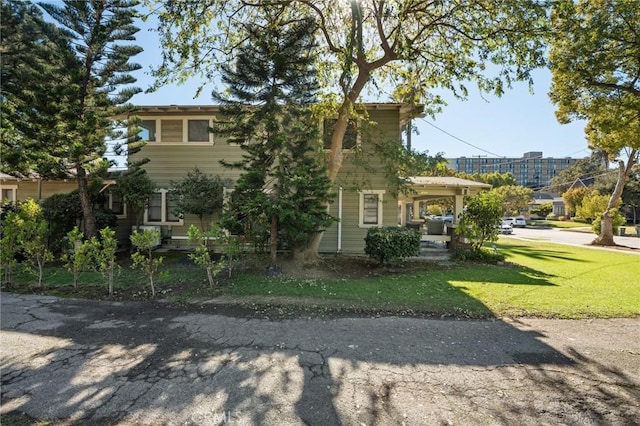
point(125, 363)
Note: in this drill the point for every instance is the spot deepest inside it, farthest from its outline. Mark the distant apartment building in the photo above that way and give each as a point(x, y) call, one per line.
point(531, 170)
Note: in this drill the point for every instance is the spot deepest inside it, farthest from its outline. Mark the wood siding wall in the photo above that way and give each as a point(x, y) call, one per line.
point(171, 161)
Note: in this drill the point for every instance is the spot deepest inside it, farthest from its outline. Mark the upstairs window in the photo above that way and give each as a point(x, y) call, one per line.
point(351, 138)
point(198, 130)
point(148, 130)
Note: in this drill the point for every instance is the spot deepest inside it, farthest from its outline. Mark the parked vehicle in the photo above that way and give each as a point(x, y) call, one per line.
point(515, 221)
point(505, 228)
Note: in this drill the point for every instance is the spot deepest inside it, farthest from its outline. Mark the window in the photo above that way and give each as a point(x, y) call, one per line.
point(350, 140)
point(148, 130)
point(161, 209)
point(370, 208)
point(115, 204)
point(9, 193)
point(198, 130)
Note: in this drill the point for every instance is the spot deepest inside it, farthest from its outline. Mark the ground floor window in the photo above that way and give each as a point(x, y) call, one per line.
point(162, 209)
point(370, 208)
point(9, 193)
point(115, 204)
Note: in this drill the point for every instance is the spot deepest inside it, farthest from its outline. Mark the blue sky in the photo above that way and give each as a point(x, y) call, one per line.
point(509, 126)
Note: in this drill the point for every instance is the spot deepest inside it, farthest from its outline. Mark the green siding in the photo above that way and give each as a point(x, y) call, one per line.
point(171, 162)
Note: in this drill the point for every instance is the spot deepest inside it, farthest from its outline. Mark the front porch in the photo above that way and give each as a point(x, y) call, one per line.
point(436, 231)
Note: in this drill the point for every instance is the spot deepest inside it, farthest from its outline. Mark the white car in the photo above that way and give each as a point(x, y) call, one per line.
point(515, 221)
point(505, 228)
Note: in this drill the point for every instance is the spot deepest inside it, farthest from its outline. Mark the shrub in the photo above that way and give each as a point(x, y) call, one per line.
point(552, 216)
point(143, 258)
point(482, 255)
point(201, 254)
point(392, 243)
point(581, 219)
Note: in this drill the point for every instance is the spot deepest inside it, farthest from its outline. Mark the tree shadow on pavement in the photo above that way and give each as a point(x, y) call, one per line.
point(116, 363)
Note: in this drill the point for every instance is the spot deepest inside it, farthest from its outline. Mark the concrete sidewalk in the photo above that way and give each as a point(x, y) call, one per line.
point(128, 363)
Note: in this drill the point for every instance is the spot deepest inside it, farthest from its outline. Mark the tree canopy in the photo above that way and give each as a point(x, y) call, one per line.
point(94, 68)
point(268, 111)
point(596, 76)
point(412, 46)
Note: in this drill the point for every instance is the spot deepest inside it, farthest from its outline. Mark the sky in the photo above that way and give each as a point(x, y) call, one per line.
point(483, 125)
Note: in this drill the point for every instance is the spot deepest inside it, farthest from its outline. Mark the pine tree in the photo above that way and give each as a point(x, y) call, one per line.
point(65, 86)
point(283, 189)
point(37, 59)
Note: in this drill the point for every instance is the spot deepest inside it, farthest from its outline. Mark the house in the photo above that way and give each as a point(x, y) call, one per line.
point(179, 140)
point(16, 189)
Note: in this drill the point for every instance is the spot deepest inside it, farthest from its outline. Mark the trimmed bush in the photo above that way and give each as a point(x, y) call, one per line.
point(392, 243)
point(552, 216)
point(482, 255)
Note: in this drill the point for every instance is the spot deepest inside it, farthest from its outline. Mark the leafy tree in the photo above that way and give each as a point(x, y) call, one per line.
point(543, 210)
point(105, 255)
point(201, 254)
point(86, 85)
point(135, 188)
point(143, 258)
point(10, 247)
point(268, 112)
point(78, 257)
point(595, 68)
point(199, 194)
point(480, 220)
point(592, 205)
point(414, 46)
point(32, 237)
point(514, 198)
point(573, 198)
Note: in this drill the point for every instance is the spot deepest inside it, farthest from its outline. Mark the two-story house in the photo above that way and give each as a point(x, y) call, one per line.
point(179, 140)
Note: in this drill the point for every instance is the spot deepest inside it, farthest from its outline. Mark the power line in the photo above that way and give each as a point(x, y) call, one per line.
point(494, 165)
point(461, 140)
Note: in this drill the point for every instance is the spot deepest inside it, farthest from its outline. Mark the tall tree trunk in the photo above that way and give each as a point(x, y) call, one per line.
point(606, 225)
point(85, 202)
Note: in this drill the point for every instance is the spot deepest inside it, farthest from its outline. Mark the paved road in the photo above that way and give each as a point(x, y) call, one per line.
point(569, 237)
point(126, 363)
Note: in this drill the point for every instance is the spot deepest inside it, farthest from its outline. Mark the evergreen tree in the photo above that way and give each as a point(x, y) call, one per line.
point(268, 112)
point(62, 104)
point(37, 64)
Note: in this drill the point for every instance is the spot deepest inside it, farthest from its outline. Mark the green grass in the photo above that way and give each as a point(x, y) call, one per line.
point(545, 280)
point(539, 279)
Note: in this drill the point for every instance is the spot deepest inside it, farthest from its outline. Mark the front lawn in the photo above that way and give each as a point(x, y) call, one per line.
point(539, 279)
point(546, 280)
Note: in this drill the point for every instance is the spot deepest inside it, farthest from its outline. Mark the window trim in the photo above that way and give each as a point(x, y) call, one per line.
point(185, 129)
point(14, 192)
point(163, 212)
point(380, 193)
